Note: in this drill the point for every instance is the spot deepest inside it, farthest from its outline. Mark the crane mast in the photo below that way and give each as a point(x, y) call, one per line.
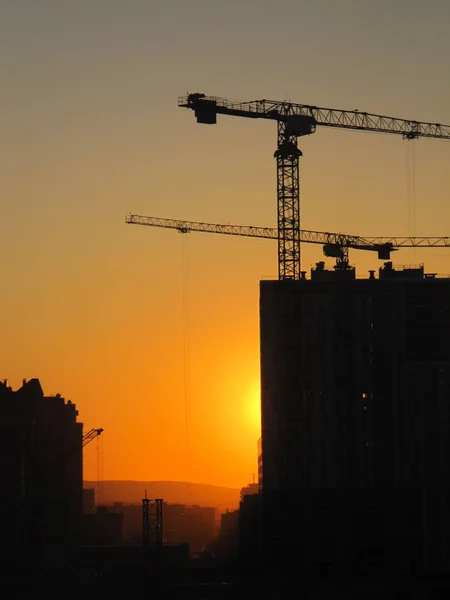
point(293, 121)
point(287, 156)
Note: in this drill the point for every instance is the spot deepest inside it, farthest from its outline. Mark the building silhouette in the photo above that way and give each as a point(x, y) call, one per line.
point(238, 538)
point(41, 477)
point(355, 392)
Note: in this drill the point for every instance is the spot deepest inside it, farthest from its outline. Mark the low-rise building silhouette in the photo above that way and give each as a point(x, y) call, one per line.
point(188, 524)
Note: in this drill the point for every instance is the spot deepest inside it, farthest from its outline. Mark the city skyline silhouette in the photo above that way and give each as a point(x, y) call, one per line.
point(87, 142)
point(279, 395)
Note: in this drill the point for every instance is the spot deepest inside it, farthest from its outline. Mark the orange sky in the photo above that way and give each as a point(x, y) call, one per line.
point(91, 131)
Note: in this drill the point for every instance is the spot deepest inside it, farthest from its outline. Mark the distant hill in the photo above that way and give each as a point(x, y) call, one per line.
point(174, 492)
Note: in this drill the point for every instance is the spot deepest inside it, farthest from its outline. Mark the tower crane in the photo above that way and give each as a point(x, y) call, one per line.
point(335, 245)
point(294, 121)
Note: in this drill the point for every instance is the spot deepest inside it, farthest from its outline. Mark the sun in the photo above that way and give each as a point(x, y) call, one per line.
point(252, 405)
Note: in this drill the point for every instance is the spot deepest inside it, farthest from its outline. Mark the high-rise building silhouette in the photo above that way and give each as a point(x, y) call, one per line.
point(355, 392)
point(41, 477)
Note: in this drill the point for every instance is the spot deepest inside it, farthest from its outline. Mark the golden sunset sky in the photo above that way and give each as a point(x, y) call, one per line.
point(91, 131)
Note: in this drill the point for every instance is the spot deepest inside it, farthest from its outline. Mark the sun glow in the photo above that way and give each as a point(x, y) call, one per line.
point(252, 405)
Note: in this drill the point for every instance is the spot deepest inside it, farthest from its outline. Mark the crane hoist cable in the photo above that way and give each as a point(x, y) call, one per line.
point(411, 191)
point(186, 357)
point(100, 466)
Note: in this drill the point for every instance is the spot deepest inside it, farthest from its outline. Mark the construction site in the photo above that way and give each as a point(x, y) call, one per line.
point(355, 375)
point(354, 455)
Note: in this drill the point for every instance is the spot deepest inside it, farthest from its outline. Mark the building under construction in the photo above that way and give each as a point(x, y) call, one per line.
point(355, 384)
point(41, 477)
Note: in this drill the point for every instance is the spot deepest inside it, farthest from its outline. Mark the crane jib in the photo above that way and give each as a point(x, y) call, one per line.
point(207, 108)
point(333, 243)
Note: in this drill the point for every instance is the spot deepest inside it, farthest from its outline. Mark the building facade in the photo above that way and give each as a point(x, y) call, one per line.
point(41, 476)
point(355, 392)
point(260, 464)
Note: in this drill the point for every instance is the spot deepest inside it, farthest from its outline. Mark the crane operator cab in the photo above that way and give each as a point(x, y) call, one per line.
point(205, 110)
point(300, 125)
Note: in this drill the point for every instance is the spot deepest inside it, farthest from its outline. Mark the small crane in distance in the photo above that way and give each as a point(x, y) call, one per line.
point(91, 435)
point(293, 121)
